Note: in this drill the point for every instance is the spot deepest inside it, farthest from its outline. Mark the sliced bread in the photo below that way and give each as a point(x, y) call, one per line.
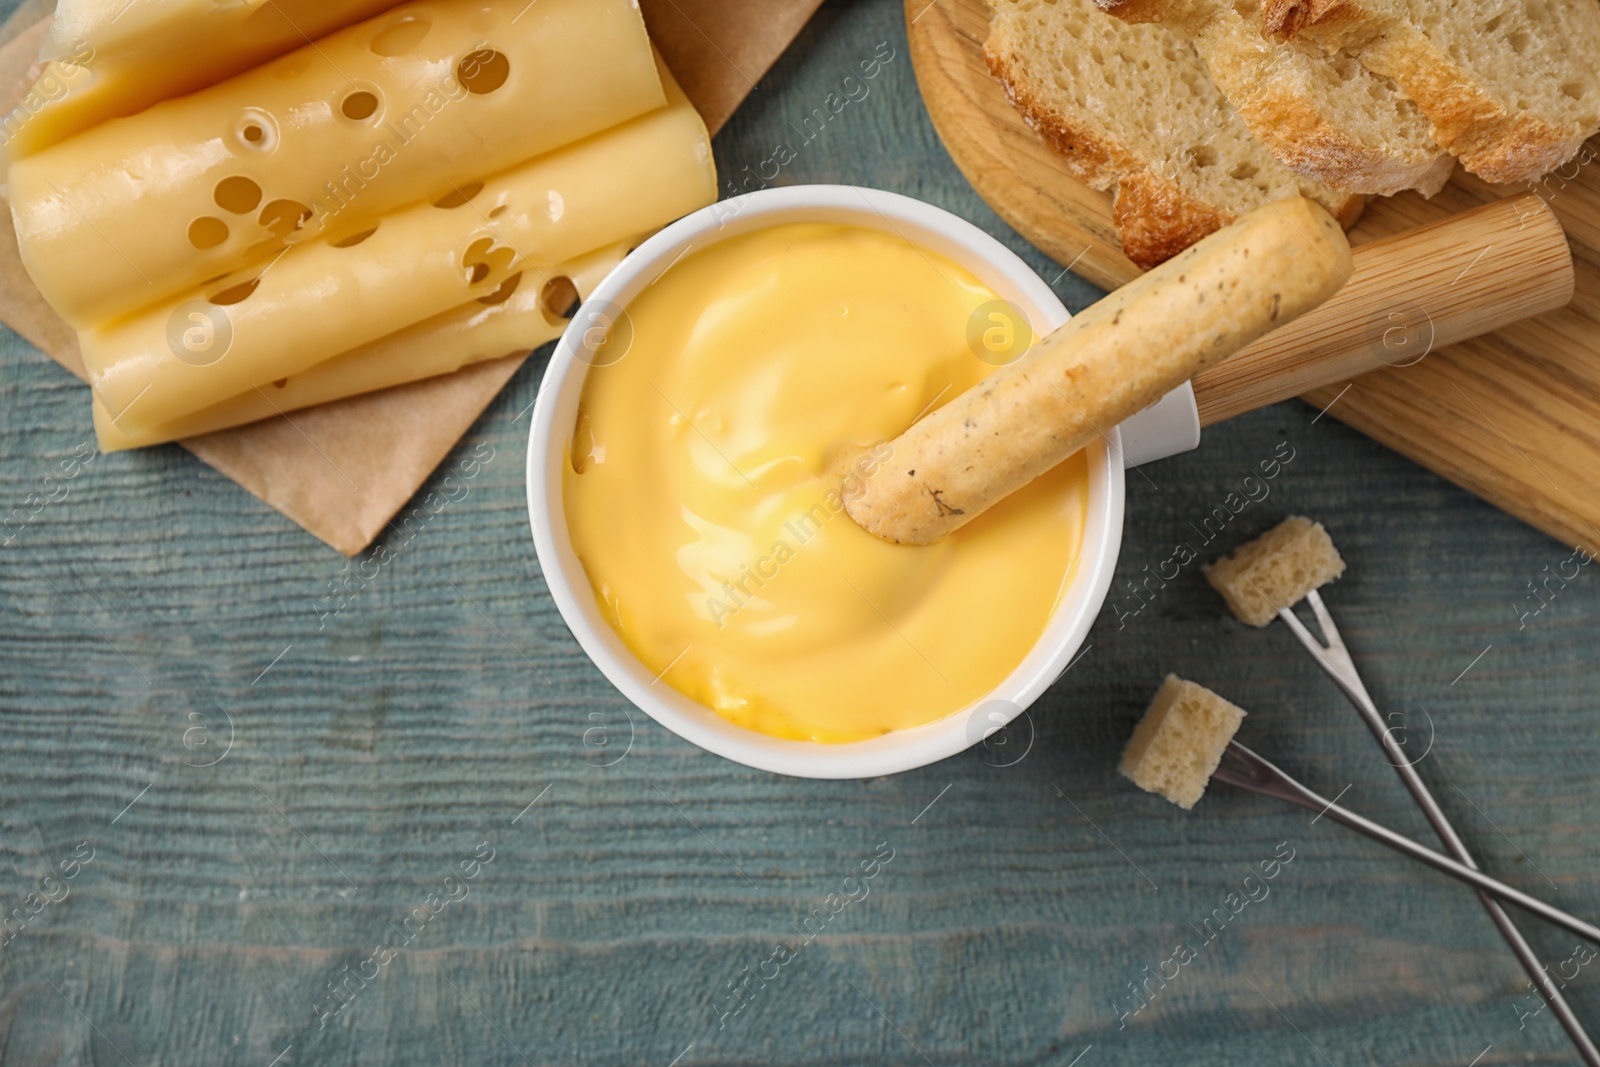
point(1325, 116)
point(1132, 110)
point(1513, 89)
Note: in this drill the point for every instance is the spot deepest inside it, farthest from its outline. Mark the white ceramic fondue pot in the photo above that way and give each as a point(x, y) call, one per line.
point(1168, 427)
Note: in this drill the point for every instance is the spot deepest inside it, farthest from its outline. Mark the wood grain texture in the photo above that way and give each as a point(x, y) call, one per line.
point(383, 742)
point(1511, 417)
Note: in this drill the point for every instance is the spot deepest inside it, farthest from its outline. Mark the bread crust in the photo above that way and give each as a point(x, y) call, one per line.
point(1284, 19)
point(1306, 142)
point(1178, 13)
point(1090, 159)
point(1291, 124)
point(1155, 217)
point(1493, 141)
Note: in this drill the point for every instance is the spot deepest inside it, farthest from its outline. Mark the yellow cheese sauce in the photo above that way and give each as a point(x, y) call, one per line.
point(703, 491)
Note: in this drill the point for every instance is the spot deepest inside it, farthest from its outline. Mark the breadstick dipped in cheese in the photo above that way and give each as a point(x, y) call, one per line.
point(320, 141)
point(108, 58)
point(485, 328)
point(1107, 363)
point(325, 297)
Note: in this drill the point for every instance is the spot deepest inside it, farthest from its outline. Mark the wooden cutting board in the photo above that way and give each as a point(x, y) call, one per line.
point(1513, 416)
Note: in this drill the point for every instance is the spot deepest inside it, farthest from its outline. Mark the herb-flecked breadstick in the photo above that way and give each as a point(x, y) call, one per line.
point(1112, 360)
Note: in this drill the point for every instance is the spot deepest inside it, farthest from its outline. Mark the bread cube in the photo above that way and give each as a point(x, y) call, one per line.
point(1180, 741)
point(1276, 570)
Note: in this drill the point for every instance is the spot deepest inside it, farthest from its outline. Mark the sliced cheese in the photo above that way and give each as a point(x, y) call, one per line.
point(321, 141)
point(109, 58)
point(324, 297)
point(486, 328)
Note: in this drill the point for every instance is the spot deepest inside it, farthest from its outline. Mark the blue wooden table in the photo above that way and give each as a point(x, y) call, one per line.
point(427, 831)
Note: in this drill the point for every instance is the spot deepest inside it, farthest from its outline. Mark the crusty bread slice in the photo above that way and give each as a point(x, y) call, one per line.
point(1513, 89)
point(1132, 109)
point(1325, 116)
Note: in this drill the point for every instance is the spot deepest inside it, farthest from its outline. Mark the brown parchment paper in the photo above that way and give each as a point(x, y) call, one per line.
point(342, 470)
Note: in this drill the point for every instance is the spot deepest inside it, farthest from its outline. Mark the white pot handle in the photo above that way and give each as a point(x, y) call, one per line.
point(1165, 428)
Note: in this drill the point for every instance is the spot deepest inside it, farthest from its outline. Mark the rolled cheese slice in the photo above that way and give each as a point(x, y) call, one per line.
point(1107, 363)
point(321, 141)
point(110, 58)
point(327, 296)
point(486, 328)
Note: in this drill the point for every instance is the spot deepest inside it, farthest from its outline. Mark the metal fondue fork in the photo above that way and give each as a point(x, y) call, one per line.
point(1259, 775)
point(1335, 661)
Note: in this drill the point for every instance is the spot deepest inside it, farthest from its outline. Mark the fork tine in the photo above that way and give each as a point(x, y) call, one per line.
point(1334, 658)
point(1259, 775)
point(1301, 631)
point(1330, 632)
